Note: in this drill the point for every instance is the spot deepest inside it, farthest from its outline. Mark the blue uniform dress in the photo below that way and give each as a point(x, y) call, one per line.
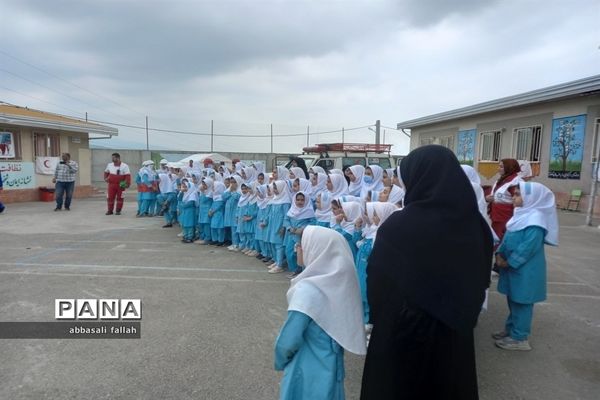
point(261, 232)
point(291, 239)
point(188, 221)
point(351, 239)
point(361, 262)
point(229, 217)
point(138, 182)
point(203, 219)
point(278, 213)
point(524, 281)
point(249, 227)
point(179, 210)
point(312, 362)
point(217, 223)
point(148, 196)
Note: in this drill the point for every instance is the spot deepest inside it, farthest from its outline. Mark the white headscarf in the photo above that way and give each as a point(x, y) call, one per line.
point(389, 172)
point(298, 172)
point(340, 186)
point(354, 188)
point(238, 179)
point(383, 211)
point(209, 187)
point(539, 209)
point(248, 198)
point(377, 183)
point(471, 174)
point(262, 196)
point(327, 289)
point(320, 186)
point(191, 194)
point(305, 186)
point(323, 214)
point(282, 173)
point(526, 171)
point(336, 171)
point(239, 166)
point(165, 183)
point(317, 170)
point(283, 190)
point(218, 190)
point(259, 166)
point(476, 184)
point(251, 174)
point(396, 195)
point(301, 213)
point(352, 212)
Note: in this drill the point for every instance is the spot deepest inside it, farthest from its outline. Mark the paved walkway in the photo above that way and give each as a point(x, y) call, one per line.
point(210, 317)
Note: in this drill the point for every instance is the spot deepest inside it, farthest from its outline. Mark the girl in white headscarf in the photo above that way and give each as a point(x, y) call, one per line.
point(345, 216)
point(205, 202)
point(355, 174)
point(300, 215)
point(249, 175)
point(248, 211)
point(337, 186)
point(377, 213)
point(216, 215)
point(280, 204)
point(372, 180)
point(188, 211)
point(280, 173)
point(263, 248)
point(323, 209)
point(522, 261)
point(324, 318)
point(232, 198)
point(319, 184)
point(316, 170)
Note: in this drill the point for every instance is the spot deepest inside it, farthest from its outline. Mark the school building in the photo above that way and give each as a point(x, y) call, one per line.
point(31, 143)
point(555, 128)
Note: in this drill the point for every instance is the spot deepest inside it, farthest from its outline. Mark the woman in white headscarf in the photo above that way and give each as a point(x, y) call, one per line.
point(324, 318)
point(355, 174)
point(522, 261)
point(372, 180)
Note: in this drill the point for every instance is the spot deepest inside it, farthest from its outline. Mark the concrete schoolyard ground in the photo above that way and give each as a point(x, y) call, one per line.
point(210, 317)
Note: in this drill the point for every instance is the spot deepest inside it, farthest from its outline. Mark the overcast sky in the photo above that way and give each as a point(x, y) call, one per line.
point(248, 64)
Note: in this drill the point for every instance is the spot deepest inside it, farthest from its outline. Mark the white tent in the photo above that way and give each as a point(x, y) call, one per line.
point(200, 157)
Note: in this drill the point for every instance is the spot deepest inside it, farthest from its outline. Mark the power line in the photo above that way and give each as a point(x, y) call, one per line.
point(42, 100)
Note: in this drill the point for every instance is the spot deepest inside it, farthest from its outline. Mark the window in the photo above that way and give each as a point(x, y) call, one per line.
point(383, 162)
point(349, 161)
point(10, 144)
point(489, 147)
point(325, 163)
point(447, 142)
point(527, 143)
point(426, 141)
point(46, 145)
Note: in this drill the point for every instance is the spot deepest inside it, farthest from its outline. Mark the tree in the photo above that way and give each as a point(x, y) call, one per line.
point(566, 142)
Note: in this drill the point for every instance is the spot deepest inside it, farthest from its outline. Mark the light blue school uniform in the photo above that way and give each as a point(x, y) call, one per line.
point(291, 239)
point(148, 197)
point(138, 181)
point(262, 217)
point(312, 362)
point(188, 221)
point(361, 262)
point(278, 213)
point(524, 281)
point(323, 224)
point(203, 219)
point(217, 223)
point(231, 200)
point(247, 229)
point(351, 239)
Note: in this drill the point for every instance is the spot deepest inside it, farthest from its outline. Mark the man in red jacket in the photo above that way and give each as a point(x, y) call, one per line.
point(118, 177)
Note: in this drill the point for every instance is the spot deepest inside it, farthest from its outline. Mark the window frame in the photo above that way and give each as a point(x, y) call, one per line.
point(16, 135)
point(48, 147)
point(595, 141)
point(532, 146)
point(495, 150)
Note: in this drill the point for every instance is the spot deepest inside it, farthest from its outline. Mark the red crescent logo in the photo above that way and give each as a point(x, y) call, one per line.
point(46, 163)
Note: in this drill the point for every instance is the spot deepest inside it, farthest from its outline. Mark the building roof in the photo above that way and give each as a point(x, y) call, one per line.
point(23, 116)
point(582, 87)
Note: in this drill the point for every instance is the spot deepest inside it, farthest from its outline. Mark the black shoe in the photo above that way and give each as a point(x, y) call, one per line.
point(109, 213)
point(220, 244)
point(168, 226)
point(57, 209)
point(118, 213)
point(267, 260)
point(260, 256)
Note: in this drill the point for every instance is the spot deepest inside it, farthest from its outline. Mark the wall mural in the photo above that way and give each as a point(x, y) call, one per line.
point(465, 147)
point(566, 151)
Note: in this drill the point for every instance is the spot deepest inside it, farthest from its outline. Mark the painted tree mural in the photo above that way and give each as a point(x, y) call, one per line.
point(566, 142)
point(567, 147)
point(465, 148)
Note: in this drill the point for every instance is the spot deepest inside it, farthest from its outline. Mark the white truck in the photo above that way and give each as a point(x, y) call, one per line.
point(338, 155)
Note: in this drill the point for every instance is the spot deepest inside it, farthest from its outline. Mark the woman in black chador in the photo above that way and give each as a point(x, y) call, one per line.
point(426, 282)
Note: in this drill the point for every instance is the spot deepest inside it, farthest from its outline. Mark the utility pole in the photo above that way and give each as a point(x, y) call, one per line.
point(212, 135)
point(147, 143)
point(377, 131)
point(307, 135)
point(343, 135)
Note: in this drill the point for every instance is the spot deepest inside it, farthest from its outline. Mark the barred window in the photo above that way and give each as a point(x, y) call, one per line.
point(447, 142)
point(426, 141)
point(527, 143)
point(489, 146)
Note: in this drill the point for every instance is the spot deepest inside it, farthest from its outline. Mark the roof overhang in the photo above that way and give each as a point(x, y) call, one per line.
point(582, 87)
point(83, 127)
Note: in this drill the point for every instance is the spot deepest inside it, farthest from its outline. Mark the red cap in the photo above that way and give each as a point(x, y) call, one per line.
point(207, 161)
